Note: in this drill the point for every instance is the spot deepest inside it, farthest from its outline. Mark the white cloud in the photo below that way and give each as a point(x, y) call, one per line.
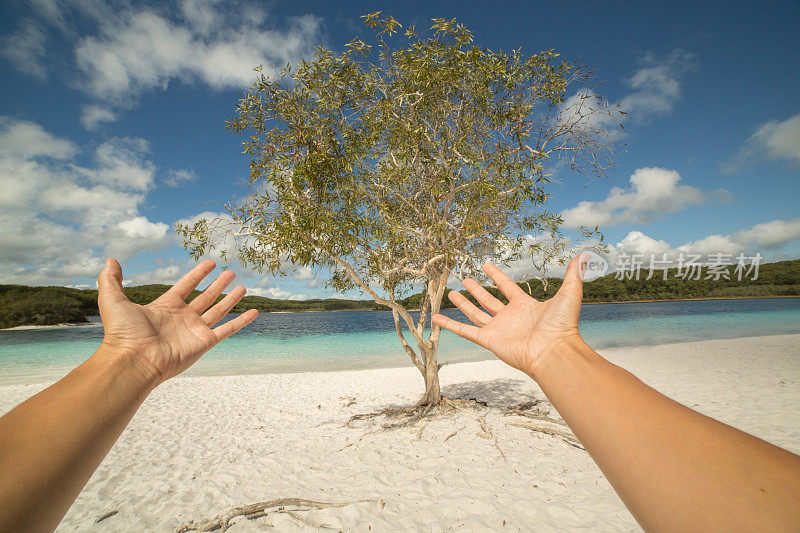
point(166, 275)
point(26, 48)
point(275, 292)
point(656, 86)
point(774, 140)
point(637, 242)
point(122, 50)
point(21, 139)
point(121, 165)
point(176, 178)
point(654, 191)
point(94, 115)
point(654, 90)
point(771, 235)
point(57, 217)
point(307, 274)
point(760, 238)
point(142, 49)
point(135, 235)
point(589, 110)
point(200, 14)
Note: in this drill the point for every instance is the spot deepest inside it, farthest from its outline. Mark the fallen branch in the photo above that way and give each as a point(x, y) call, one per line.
point(104, 516)
point(257, 510)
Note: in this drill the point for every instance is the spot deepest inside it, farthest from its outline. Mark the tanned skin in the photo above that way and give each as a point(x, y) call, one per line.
point(51, 444)
point(675, 469)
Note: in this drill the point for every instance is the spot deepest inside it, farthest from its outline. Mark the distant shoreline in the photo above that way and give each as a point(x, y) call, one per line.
point(51, 326)
point(694, 299)
point(32, 327)
point(605, 302)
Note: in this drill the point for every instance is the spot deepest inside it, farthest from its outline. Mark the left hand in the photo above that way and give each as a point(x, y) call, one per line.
point(167, 336)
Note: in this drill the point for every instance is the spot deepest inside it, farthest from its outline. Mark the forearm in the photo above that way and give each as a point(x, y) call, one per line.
point(674, 468)
point(51, 443)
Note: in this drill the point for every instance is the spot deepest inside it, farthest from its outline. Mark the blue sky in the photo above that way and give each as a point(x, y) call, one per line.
point(113, 116)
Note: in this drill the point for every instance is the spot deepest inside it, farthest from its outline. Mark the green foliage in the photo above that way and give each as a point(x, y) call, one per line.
point(44, 305)
point(395, 165)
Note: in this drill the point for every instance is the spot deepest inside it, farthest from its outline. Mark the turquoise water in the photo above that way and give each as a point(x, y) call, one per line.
point(297, 342)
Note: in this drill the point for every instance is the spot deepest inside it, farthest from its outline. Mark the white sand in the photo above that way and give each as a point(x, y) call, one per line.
point(202, 445)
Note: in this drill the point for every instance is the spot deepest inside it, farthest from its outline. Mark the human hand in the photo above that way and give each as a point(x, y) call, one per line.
point(167, 336)
point(524, 330)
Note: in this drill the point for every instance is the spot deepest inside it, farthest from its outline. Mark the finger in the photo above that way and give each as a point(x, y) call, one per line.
point(573, 278)
point(506, 285)
point(218, 312)
point(232, 326)
point(109, 283)
point(484, 297)
point(190, 281)
point(208, 296)
point(478, 317)
point(462, 330)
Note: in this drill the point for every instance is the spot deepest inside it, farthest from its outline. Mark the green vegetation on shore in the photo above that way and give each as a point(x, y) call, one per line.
point(774, 279)
point(22, 305)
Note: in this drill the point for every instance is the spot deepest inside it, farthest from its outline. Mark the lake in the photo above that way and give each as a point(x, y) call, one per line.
point(300, 342)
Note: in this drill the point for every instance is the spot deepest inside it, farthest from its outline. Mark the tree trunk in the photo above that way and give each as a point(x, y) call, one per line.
point(432, 303)
point(431, 374)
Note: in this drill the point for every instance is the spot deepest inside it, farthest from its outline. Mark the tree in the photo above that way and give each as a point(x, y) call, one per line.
point(394, 167)
point(544, 254)
point(549, 249)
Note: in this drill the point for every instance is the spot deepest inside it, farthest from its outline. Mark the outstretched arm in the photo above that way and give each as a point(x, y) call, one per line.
point(51, 444)
point(675, 469)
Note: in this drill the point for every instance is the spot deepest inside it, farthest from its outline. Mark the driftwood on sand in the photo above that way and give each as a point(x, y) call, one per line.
point(289, 506)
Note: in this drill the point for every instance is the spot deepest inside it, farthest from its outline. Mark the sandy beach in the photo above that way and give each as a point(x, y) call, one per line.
point(202, 445)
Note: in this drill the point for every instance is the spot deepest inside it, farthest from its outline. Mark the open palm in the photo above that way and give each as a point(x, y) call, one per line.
point(522, 330)
point(168, 334)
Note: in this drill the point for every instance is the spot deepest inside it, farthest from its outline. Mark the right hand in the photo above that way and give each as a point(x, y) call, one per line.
point(523, 331)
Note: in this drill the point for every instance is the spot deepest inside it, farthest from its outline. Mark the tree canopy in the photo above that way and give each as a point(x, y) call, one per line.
point(391, 166)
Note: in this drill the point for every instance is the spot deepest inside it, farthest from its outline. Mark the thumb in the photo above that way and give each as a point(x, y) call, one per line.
point(573, 278)
point(109, 283)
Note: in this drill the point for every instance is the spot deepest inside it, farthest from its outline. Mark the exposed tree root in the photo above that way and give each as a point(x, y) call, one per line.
point(421, 428)
point(499, 449)
point(453, 434)
point(532, 410)
point(551, 428)
point(406, 416)
point(487, 433)
point(289, 506)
